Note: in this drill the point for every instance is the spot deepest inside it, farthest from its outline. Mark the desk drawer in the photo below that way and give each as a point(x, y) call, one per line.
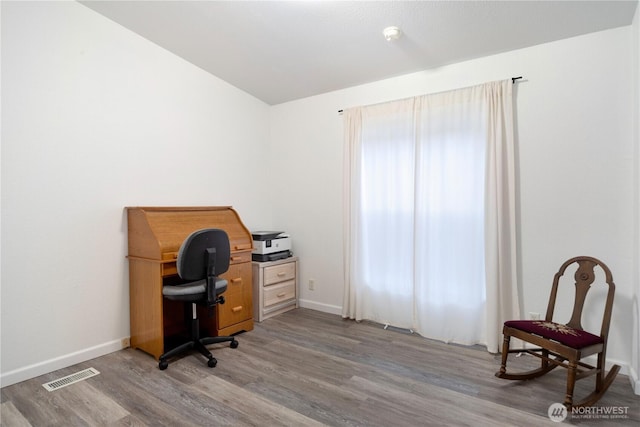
point(238, 276)
point(278, 293)
point(169, 269)
point(237, 308)
point(239, 303)
point(234, 258)
point(240, 257)
point(279, 273)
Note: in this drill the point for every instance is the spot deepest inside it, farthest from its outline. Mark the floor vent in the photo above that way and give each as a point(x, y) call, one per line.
point(70, 379)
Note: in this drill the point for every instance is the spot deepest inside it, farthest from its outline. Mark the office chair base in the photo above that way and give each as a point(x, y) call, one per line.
point(199, 345)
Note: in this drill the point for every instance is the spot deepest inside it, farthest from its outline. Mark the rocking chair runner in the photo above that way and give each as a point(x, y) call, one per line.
point(567, 344)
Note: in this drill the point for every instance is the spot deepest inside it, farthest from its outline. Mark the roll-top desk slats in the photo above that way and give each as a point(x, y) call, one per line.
point(155, 236)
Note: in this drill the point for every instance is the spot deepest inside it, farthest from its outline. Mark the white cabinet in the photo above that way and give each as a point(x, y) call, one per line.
point(275, 287)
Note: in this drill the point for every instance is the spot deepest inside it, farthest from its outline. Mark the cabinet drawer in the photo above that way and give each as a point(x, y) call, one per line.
point(278, 293)
point(279, 273)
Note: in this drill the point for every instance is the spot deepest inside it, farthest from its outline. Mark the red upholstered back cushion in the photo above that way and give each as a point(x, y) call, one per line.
point(563, 334)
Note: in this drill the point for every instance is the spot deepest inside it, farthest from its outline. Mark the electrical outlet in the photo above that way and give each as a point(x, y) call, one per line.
point(312, 284)
point(126, 342)
point(534, 315)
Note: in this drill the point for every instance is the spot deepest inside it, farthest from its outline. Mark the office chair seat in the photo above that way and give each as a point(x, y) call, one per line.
point(192, 291)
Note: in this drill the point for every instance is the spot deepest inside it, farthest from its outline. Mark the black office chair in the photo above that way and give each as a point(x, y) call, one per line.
point(202, 257)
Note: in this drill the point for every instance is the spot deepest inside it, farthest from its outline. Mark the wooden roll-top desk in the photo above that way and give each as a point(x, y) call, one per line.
point(155, 236)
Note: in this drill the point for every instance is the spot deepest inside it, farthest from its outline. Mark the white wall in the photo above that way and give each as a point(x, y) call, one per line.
point(635, 360)
point(96, 118)
point(575, 167)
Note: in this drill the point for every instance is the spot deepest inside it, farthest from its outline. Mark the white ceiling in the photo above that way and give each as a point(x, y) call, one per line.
point(284, 50)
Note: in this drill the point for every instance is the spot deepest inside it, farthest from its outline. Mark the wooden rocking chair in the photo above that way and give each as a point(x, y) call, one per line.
point(567, 344)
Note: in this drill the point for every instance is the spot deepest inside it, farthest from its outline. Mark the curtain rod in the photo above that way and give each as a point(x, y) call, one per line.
point(513, 81)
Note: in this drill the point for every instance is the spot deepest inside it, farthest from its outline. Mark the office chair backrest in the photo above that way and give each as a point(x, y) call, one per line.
point(193, 255)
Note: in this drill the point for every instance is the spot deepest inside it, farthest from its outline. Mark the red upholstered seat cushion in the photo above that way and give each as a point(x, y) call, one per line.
point(563, 334)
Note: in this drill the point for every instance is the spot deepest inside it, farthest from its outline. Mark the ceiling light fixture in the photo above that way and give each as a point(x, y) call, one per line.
point(391, 33)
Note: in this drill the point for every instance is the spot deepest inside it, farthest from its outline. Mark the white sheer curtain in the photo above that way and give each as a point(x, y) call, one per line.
point(430, 214)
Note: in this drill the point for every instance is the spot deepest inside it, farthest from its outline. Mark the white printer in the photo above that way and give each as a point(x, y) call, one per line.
point(270, 245)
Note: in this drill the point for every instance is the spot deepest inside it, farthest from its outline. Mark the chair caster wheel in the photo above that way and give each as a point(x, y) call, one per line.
point(234, 344)
point(212, 363)
point(163, 364)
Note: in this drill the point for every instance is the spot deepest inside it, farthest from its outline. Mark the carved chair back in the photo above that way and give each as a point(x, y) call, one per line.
point(584, 276)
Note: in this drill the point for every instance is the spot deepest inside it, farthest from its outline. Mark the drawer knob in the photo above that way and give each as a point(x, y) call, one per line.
point(281, 273)
point(281, 294)
point(237, 309)
point(236, 280)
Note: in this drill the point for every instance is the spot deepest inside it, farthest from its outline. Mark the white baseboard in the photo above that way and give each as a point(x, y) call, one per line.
point(635, 381)
point(35, 370)
point(624, 368)
point(325, 308)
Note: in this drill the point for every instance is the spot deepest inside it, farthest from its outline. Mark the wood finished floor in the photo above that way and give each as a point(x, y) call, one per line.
point(306, 368)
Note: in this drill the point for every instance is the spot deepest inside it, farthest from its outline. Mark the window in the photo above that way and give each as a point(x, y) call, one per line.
point(419, 195)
